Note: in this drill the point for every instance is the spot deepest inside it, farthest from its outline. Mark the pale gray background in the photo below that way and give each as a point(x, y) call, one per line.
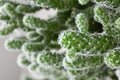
point(8, 66)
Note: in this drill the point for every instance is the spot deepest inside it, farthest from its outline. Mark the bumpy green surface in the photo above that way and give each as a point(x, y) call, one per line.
point(32, 47)
point(109, 3)
point(33, 22)
point(5, 30)
point(12, 18)
point(76, 61)
point(86, 43)
point(112, 58)
point(83, 63)
point(15, 43)
point(50, 59)
point(82, 23)
point(75, 44)
point(27, 8)
point(61, 4)
point(107, 19)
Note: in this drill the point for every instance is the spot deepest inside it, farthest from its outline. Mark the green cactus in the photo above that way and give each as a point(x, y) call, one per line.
point(9, 10)
point(86, 43)
point(101, 15)
point(23, 61)
point(35, 37)
point(112, 58)
point(108, 3)
point(56, 23)
point(32, 67)
point(26, 8)
point(15, 43)
point(7, 29)
point(32, 47)
point(55, 4)
point(33, 22)
point(50, 59)
point(55, 73)
point(82, 23)
point(81, 62)
point(83, 2)
point(117, 23)
point(80, 42)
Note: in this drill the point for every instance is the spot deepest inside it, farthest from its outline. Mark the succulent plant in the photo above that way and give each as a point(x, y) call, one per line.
point(80, 42)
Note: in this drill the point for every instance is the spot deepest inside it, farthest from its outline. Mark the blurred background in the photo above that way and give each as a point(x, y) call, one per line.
point(8, 66)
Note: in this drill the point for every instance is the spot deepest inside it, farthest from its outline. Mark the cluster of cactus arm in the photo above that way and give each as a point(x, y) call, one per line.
point(89, 31)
